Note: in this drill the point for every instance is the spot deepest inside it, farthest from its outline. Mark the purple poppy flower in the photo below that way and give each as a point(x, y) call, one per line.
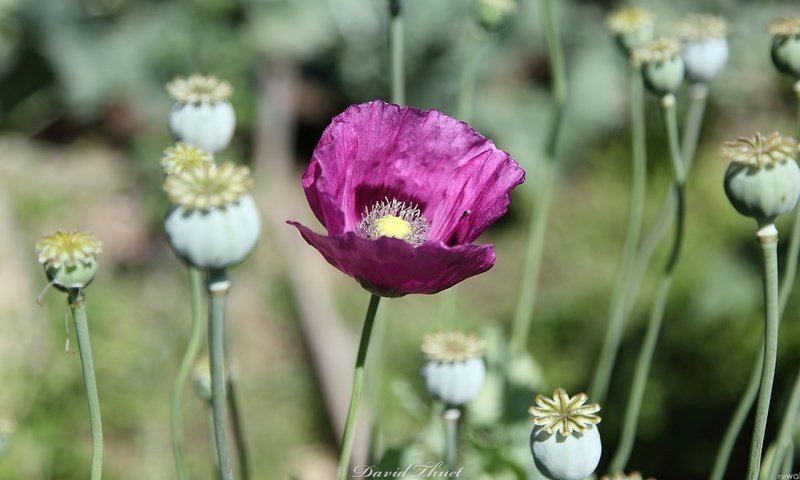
point(403, 192)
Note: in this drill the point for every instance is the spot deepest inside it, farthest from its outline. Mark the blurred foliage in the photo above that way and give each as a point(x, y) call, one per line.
point(78, 77)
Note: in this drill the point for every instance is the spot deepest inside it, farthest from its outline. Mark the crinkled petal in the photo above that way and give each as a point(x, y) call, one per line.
point(457, 177)
point(393, 268)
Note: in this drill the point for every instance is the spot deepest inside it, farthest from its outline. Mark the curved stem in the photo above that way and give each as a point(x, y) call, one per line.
point(77, 305)
point(396, 45)
point(189, 357)
point(355, 396)
point(451, 417)
point(610, 348)
point(768, 239)
point(218, 287)
point(698, 94)
point(647, 351)
point(526, 302)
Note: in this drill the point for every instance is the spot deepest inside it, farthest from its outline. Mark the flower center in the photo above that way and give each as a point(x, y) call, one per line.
point(394, 219)
point(391, 226)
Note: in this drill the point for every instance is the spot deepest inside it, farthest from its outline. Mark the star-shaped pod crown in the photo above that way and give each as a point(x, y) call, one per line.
point(760, 151)
point(629, 20)
point(785, 27)
point(701, 27)
point(209, 186)
point(199, 88)
point(183, 157)
point(454, 346)
point(657, 51)
point(564, 414)
point(67, 249)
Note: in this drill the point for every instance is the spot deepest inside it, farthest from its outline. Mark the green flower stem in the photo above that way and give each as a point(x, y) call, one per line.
point(77, 304)
point(355, 396)
point(749, 396)
point(192, 349)
point(768, 239)
point(218, 287)
point(738, 419)
point(451, 417)
point(698, 93)
point(523, 315)
point(469, 74)
point(212, 441)
point(647, 351)
point(398, 86)
point(608, 353)
point(784, 442)
point(238, 430)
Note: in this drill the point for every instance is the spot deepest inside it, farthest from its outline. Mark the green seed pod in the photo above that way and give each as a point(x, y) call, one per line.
point(632, 28)
point(565, 441)
point(705, 49)
point(662, 65)
point(454, 371)
point(69, 259)
point(786, 45)
point(202, 114)
point(763, 179)
point(213, 223)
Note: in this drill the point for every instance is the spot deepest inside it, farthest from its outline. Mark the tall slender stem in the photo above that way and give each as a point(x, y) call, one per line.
point(189, 357)
point(355, 396)
point(647, 351)
point(749, 396)
point(523, 315)
point(789, 423)
point(768, 239)
point(77, 304)
point(218, 287)
point(238, 430)
point(608, 353)
point(786, 432)
point(469, 74)
point(398, 86)
point(698, 94)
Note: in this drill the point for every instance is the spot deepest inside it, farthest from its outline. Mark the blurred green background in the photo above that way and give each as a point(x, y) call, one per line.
point(82, 126)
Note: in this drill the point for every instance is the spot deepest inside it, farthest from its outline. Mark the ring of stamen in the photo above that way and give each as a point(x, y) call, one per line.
point(394, 219)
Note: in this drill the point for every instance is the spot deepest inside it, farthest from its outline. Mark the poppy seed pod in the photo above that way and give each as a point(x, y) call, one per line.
point(202, 114)
point(786, 45)
point(705, 48)
point(661, 64)
point(213, 223)
point(69, 259)
point(763, 179)
point(454, 370)
point(565, 441)
point(632, 27)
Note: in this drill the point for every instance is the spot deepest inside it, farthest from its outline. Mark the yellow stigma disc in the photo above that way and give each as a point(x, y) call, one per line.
point(391, 226)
